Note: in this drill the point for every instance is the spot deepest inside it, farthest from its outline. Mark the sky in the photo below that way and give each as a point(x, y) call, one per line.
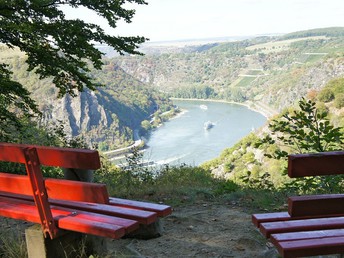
point(166, 20)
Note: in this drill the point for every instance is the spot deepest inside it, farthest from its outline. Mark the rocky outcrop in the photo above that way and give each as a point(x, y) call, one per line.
point(78, 114)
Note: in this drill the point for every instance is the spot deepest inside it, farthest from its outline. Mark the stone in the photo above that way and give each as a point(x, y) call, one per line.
point(66, 245)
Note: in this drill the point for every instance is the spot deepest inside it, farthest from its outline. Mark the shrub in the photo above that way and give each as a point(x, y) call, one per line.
point(339, 101)
point(326, 95)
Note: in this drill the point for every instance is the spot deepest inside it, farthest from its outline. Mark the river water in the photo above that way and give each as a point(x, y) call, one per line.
point(185, 140)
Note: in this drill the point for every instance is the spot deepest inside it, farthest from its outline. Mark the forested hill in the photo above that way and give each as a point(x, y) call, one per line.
point(265, 71)
point(107, 116)
point(328, 32)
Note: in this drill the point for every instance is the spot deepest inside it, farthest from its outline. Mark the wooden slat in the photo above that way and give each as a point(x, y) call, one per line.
point(318, 164)
point(143, 217)
point(56, 188)
point(316, 205)
point(257, 219)
point(53, 156)
point(76, 191)
point(18, 184)
point(301, 225)
point(160, 209)
point(311, 247)
point(65, 219)
point(129, 225)
point(292, 236)
point(91, 227)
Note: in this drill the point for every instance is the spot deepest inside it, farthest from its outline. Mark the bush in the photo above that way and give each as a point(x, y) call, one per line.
point(326, 95)
point(339, 101)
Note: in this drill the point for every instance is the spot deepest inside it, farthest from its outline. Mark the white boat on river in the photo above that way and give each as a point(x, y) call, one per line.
point(204, 107)
point(208, 125)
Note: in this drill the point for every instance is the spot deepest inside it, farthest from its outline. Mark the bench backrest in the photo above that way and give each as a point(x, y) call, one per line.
point(52, 156)
point(33, 157)
point(317, 164)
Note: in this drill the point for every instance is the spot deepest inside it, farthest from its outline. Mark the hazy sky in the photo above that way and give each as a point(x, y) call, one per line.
point(162, 20)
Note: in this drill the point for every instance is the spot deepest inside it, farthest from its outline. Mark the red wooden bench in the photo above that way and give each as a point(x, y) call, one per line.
point(314, 224)
point(59, 204)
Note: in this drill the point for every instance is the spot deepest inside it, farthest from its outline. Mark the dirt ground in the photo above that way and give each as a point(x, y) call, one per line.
point(205, 229)
point(200, 230)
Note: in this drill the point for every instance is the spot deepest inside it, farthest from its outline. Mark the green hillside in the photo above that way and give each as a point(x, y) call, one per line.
point(258, 162)
point(107, 117)
point(289, 65)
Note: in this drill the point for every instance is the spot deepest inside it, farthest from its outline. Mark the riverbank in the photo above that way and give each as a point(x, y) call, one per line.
point(258, 107)
point(191, 131)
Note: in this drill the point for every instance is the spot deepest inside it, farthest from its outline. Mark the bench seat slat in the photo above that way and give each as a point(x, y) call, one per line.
point(161, 210)
point(259, 218)
point(91, 227)
point(301, 225)
point(129, 225)
point(143, 217)
point(311, 247)
point(292, 236)
point(28, 212)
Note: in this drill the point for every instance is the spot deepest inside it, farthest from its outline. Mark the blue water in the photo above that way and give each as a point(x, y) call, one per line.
point(184, 139)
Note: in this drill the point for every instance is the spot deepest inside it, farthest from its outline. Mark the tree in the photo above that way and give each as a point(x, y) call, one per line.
point(56, 47)
point(306, 131)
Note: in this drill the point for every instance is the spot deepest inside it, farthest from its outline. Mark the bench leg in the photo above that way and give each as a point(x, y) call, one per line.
point(150, 231)
point(67, 245)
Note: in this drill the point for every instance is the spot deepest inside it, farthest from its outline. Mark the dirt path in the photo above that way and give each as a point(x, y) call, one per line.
point(202, 230)
point(205, 229)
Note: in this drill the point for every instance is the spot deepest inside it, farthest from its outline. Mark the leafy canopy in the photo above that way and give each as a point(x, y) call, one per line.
point(305, 131)
point(56, 47)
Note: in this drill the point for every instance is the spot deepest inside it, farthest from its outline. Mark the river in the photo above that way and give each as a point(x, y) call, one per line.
point(184, 140)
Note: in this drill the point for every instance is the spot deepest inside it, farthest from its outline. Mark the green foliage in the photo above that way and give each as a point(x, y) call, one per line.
point(305, 131)
point(334, 90)
point(59, 47)
point(337, 85)
point(13, 96)
point(339, 101)
point(56, 48)
point(177, 184)
point(326, 95)
point(226, 187)
point(199, 92)
point(263, 182)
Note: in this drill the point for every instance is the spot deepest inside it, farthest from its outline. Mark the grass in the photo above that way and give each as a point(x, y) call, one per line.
point(245, 81)
point(12, 244)
point(183, 185)
point(255, 72)
point(277, 46)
